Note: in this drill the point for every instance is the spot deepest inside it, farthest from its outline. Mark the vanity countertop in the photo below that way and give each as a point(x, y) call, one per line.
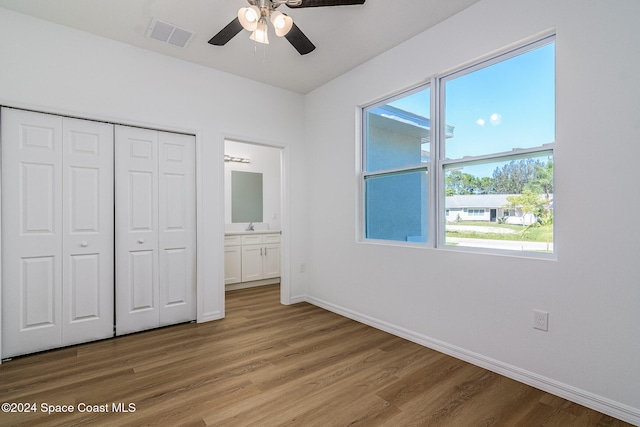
point(237, 233)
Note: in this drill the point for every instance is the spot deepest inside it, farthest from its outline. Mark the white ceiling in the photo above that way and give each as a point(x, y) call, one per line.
point(345, 36)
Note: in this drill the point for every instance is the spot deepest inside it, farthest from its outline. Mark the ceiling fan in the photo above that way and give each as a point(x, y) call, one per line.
point(254, 18)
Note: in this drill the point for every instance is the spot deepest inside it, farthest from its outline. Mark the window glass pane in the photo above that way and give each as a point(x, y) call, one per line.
point(397, 206)
point(398, 133)
point(508, 105)
point(496, 136)
point(501, 204)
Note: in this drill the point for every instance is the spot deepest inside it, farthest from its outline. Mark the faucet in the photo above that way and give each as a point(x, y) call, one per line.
point(250, 227)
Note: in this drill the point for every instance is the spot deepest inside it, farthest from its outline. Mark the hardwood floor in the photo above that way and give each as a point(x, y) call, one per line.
point(269, 365)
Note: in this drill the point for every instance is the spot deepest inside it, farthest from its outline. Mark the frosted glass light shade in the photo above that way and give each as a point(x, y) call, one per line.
point(249, 17)
point(281, 23)
point(260, 33)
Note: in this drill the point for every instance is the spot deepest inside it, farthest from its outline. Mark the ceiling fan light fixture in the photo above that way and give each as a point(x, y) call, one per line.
point(254, 19)
point(281, 23)
point(249, 17)
point(260, 33)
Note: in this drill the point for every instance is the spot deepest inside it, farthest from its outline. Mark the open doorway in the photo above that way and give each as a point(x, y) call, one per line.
point(253, 182)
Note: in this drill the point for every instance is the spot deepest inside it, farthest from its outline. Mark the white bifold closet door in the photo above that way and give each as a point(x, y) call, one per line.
point(155, 229)
point(57, 231)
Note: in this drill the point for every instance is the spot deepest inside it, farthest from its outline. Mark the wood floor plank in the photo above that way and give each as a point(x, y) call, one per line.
point(267, 364)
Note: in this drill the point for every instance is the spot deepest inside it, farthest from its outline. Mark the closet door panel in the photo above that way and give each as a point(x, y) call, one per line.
point(141, 281)
point(31, 231)
point(38, 198)
point(137, 287)
point(87, 302)
point(177, 228)
point(141, 202)
point(84, 288)
point(175, 273)
point(84, 200)
point(38, 289)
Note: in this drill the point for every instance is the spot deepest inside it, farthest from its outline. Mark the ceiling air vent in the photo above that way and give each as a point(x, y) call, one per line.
point(169, 33)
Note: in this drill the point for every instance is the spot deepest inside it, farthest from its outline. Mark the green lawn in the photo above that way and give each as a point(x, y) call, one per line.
point(533, 234)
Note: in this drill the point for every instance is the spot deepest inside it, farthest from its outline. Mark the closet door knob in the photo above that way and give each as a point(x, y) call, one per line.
point(84, 244)
point(140, 241)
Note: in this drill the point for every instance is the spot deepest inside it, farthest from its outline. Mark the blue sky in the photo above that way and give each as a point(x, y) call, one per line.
point(508, 105)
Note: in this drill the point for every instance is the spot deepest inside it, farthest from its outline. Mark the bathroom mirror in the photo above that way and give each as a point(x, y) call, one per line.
point(246, 196)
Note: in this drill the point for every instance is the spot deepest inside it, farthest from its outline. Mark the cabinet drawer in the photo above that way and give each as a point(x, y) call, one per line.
point(258, 239)
point(271, 238)
point(232, 240)
point(252, 239)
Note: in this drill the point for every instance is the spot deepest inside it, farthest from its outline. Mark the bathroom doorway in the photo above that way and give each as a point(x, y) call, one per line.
point(254, 237)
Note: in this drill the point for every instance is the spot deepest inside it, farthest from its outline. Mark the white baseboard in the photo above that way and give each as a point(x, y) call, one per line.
point(298, 298)
point(212, 315)
point(582, 397)
point(252, 284)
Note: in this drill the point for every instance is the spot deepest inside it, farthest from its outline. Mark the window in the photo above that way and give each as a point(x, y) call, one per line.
point(396, 167)
point(479, 177)
point(476, 212)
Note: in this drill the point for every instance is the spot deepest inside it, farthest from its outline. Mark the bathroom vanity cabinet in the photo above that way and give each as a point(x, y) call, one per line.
point(251, 259)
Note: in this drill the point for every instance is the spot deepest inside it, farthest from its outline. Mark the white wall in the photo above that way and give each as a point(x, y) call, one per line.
point(265, 160)
point(480, 307)
point(52, 68)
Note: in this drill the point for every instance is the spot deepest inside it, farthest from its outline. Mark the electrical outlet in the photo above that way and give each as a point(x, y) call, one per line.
point(303, 268)
point(541, 320)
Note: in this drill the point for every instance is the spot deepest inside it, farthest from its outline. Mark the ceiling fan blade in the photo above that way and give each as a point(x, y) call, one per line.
point(227, 33)
point(321, 3)
point(296, 37)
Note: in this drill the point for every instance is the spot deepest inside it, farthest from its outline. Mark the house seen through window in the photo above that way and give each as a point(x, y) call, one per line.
point(479, 177)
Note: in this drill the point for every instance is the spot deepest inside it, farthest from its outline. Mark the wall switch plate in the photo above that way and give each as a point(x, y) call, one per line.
point(541, 320)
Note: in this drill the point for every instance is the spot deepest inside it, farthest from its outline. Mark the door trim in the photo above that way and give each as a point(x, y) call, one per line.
point(285, 226)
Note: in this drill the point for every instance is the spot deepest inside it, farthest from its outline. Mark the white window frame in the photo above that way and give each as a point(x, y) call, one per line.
point(437, 163)
point(364, 174)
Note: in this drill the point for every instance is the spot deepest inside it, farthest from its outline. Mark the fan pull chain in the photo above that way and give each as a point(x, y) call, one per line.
point(264, 51)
